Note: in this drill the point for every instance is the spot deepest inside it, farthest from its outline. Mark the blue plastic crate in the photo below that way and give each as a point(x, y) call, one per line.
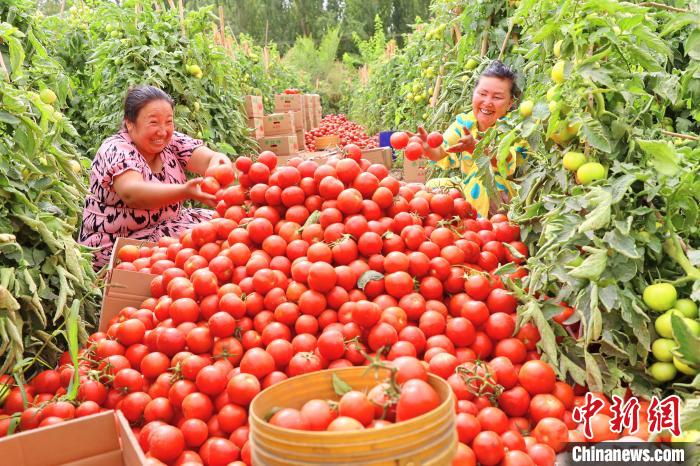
point(384, 137)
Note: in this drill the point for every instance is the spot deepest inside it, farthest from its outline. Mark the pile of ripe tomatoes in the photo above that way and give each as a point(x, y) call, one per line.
point(306, 267)
point(348, 131)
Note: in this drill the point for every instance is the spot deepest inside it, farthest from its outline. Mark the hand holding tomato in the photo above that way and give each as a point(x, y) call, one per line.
point(193, 190)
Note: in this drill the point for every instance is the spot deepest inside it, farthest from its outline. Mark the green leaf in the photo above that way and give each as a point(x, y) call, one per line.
point(8, 118)
point(620, 187)
point(692, 45)
point(533, 312)
point(368, 276)
point(663, 156)
point(540, 110)
point(340, 387)
point(596, 135)
point(597, 75)
point(593, 266)
point(72, 324)
point(690, 414)
point(625, 245)
point(514, 252)
point(504, 147)
point(599, 217)
point(688, 348)
point(594, 377)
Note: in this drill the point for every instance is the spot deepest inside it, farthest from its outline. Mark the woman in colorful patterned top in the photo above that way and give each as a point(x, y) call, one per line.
point(138, 181)
point(493, 97)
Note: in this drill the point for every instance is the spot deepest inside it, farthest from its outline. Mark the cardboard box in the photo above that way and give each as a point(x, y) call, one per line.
point(254, 106)
point(127, 281)
point(113, 303)
point(301, 141)
point(288, 102)
point(256, 127)
point(308, 118)
point(280, 145)
point(414, 170)
point(103, 439)
point(279, 124)
point(312, 100)
point(298, 120)
point(123, 287)
point(380, 155)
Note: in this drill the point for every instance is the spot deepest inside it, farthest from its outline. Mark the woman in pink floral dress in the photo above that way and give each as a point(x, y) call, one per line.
point(138, 180)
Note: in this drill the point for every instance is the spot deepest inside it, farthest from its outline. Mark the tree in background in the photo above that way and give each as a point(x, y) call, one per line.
point(282, 22)
point(318, 65)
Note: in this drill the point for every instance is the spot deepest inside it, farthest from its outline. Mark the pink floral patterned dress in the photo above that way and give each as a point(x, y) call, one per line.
point(106, 217)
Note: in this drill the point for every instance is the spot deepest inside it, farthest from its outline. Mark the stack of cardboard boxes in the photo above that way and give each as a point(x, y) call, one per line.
point(282, 132)
point(311, 111)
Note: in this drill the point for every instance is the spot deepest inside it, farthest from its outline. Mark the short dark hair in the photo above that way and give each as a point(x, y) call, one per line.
point(497, 69)
point(138, 97)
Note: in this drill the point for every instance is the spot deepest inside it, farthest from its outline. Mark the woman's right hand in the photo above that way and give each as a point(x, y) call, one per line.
point(433, 153)
point(193, 190)
point(465, 143)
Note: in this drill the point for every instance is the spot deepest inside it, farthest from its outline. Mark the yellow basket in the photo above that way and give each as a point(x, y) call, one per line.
point(427, 440)
point(324, 142)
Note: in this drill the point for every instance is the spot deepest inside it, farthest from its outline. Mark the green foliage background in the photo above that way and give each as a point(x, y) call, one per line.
point(43, 271)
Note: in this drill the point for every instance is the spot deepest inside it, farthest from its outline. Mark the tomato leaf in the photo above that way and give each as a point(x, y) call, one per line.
point(593, 266)
point(690, 414)
point(367, 277)
point(663, 156)
point(515, 254)
point(625, 245)
point(596, 135)
point(688, 348)
point(533, 312)
point(72, 337)
point(599, 217)
point(312, 219)
point(340, 387)
point(692, 45)
point(594, 378)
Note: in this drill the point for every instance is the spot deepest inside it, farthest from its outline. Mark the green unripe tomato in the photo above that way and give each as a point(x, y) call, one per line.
point(687, 307)
point(663, 371)
point(557, 48)
point(558, 72)
point(683, 367)
point(471, 64)
point(661, 349)
point(660, 296)
point(573, 160)
point(553, 106)
point(590, 172)
point(694, 326)
point(662, 324)
point(526, 108)
point(47, 96)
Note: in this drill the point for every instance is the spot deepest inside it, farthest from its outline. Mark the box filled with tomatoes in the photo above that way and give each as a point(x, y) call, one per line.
point(126, 284)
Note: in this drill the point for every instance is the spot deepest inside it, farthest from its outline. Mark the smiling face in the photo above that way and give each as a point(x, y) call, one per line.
point(153, 128)
point(491, 100)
